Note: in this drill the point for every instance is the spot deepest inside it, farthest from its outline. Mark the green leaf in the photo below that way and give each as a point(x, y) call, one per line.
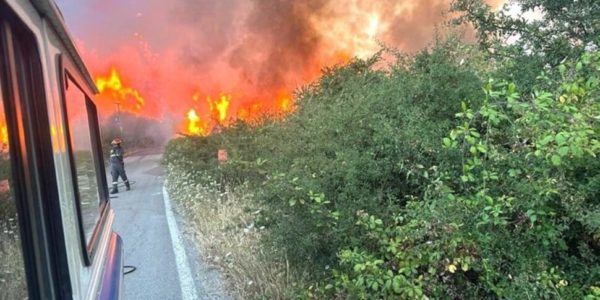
point(514, 172)
point(563, 151)
point(453, 134)
point(546, 139)
point(561, 138)
point(447, 142)
point(556, 160)
point(482, 149)
point(359, 267)
point(465, 267)
point(473, 150)
point(397, 284)
point(576, 150)
point(562, 69)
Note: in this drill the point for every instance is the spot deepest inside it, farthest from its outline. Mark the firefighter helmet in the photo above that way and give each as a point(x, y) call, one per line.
point(116, 141)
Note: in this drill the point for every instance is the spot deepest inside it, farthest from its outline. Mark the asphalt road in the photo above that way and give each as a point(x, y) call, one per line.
point(168, 265)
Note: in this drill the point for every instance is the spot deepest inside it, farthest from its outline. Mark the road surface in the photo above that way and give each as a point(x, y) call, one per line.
point(168, 265)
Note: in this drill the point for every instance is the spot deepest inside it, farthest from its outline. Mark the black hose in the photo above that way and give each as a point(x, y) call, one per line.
point(131, 269)
point(122, 184)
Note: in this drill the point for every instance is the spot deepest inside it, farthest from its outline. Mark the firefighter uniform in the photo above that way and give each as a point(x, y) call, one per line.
point(117, 166)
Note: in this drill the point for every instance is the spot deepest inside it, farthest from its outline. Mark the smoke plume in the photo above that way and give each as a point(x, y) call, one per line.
point(179, 53)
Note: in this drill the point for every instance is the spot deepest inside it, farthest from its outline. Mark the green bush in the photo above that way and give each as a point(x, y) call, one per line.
point(521, 218)
point(378, 188)
point(360, 138)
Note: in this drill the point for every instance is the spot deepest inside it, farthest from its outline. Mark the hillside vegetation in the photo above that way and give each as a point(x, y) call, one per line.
point(454, 173)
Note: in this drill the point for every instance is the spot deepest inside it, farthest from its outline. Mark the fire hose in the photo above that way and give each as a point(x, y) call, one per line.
point(122, 184)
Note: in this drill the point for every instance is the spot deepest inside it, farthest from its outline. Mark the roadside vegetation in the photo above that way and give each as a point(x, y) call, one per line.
point(223, 222)
point(460, 172)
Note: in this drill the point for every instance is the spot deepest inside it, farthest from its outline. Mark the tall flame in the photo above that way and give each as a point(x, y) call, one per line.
point(113, 87)
point(3, 131)
point(285, 103)
point(193, 121)
point(219, 107)
point(4, 136)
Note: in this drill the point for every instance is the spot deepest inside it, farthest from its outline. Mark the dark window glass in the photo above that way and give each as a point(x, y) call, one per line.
point(12, 270)
point(83, 154)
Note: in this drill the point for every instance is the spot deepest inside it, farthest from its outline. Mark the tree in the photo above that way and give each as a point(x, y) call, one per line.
point(561, 28)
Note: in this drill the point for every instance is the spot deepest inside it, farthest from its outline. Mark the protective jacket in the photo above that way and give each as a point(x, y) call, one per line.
point(116, 156)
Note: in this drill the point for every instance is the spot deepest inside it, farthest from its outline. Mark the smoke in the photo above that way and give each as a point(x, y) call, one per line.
point(137, 132)
point(209, 29)
point(177, 53)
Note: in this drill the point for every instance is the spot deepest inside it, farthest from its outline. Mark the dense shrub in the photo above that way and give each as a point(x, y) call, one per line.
point(521, 218)
point(413, 181)
point(359, 140)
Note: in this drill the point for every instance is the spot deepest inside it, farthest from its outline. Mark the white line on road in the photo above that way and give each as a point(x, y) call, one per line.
point(186, 281)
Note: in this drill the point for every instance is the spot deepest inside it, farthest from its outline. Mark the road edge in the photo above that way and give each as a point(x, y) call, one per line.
point(186, 281)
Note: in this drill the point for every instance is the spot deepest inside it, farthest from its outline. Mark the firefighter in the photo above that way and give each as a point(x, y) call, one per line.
point(117, 165)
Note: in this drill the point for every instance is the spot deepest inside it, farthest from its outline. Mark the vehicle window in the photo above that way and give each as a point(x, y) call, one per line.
point(12, 270)
point(83, 155)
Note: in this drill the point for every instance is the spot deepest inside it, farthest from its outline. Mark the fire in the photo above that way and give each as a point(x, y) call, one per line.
point(217, 114)
point(373, 28)
point(193, 121)
point(251, 113)
point(4, 136)
point(219, 107)
point(112, 86)
point(3, 132)
point(196, 96)
point(342, 57)
point(209, 116)
point(243, 65)
point(285, 104)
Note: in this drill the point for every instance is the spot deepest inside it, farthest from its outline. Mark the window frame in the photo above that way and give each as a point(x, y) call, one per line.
point(34, 177)
point(68, 72)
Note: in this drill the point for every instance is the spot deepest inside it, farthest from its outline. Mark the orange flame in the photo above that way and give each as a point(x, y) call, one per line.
point(4, 136)
point(3, 132)
point(225, 111)
point(285, 103)
point(219, 107)
point(342, 57)
point(113, 87)
point(194, 125)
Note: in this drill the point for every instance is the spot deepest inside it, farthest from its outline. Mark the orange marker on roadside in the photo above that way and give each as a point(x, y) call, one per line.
point(222, 155)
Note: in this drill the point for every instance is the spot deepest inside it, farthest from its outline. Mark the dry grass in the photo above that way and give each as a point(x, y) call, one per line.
point(223, 226)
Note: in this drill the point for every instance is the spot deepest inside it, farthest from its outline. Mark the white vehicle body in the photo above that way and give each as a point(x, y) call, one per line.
point(70, 248)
